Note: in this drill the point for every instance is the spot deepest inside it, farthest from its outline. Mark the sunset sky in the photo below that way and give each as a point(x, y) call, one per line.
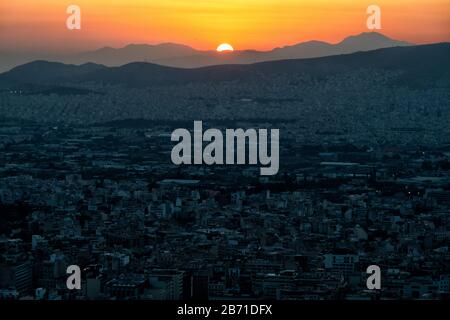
point(40, 25)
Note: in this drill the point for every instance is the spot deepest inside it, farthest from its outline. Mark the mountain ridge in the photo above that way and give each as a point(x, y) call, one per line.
point(423, 63)
point(184, 56)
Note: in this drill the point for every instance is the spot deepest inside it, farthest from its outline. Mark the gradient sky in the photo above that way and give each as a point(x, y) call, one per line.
point(40, 25)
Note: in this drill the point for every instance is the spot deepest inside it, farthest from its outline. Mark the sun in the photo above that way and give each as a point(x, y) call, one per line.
point(225, 47)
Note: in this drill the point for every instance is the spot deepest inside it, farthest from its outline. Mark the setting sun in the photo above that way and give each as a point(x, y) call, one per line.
point(224, 47)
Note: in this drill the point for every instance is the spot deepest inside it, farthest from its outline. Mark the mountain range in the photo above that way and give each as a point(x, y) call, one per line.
point(182, 56)
point(419, 65)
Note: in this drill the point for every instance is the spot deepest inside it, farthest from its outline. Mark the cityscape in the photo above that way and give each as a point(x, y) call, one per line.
point(86, 179)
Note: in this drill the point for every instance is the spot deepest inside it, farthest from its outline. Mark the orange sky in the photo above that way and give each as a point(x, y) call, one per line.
point(40, 25)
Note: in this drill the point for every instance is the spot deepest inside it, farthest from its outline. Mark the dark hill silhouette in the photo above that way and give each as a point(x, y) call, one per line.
point(47, 72)
point(418, 64)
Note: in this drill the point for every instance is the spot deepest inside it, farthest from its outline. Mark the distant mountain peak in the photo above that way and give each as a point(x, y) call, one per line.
point(369, 34)
point(374, 38)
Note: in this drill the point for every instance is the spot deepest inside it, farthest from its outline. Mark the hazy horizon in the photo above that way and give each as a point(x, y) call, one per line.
point(155, 44)
point(246, 24)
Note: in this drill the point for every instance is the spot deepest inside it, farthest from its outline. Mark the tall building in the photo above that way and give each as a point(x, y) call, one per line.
point(17, 276)
point(171, 280)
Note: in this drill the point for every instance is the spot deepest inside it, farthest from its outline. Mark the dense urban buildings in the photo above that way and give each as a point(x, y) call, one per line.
point(86, 179)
